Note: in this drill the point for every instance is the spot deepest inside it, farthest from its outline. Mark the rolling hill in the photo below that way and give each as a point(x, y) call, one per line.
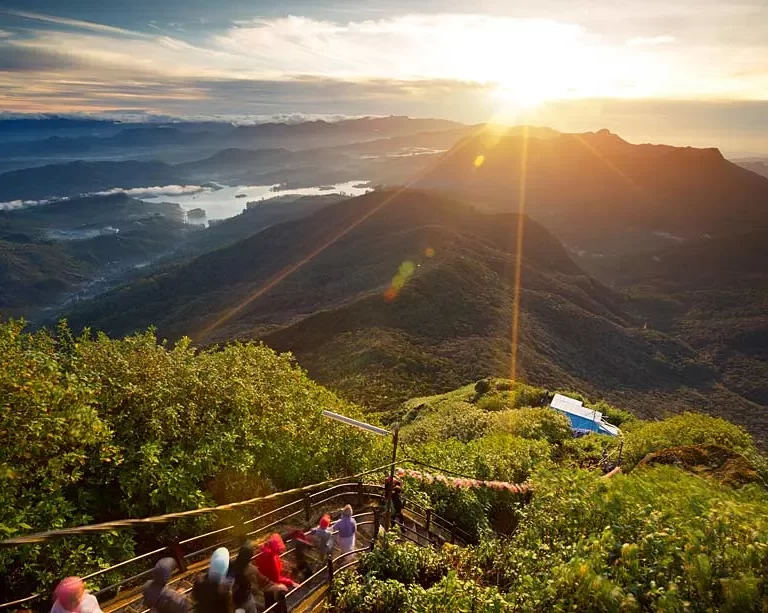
point(396, 294)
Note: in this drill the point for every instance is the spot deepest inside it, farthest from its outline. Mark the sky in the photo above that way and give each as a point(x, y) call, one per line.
point(688, 72)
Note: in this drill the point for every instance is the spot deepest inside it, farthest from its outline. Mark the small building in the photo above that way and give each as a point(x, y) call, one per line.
point(583, 419)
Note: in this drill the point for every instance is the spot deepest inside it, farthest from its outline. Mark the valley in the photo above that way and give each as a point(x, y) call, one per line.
point(624, 277)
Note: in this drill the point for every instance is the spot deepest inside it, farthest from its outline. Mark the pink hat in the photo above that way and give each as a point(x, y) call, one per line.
point(325, 521)
point(70, 592)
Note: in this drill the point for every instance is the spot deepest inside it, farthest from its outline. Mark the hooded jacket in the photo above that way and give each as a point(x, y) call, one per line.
point(88, 604)
point(270, 565)
point(158, 596)
point(213, 589)
point(347, 526)
point(71, 597)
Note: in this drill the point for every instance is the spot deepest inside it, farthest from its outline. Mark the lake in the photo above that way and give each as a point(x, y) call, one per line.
point(231, 200)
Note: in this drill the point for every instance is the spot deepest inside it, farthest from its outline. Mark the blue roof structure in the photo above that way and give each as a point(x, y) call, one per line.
point(583, 420)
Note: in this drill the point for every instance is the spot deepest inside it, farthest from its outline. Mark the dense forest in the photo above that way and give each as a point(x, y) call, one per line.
point(96, 428)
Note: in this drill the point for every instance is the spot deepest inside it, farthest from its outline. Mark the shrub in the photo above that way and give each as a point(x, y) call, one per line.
point(539, 423)
point(460, 421)
point(492, 403)
point(100, 428)
point(587, 451)
point(501, 457)
point(612, 414)
point(651, 540)
point(684, 429)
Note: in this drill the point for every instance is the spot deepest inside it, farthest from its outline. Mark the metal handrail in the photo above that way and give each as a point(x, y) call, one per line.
point(359, 486)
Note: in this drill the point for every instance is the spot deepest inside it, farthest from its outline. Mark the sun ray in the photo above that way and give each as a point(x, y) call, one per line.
point(289, 270)
point(519, 252)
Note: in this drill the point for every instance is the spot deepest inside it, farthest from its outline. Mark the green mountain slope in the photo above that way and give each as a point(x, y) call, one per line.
point(451, 321)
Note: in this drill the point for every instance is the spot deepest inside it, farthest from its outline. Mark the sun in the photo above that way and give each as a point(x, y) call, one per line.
point(526, 95)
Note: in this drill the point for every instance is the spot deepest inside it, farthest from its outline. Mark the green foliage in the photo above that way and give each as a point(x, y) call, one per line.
point(613, 415)
point(535, 423)
point(685, 429)
point(587, 451)
point(498, 457)
point(401, 577)
point(505, 394)
point(404, 562)
point(652, 540)
point(461, 421)
point(98, 429)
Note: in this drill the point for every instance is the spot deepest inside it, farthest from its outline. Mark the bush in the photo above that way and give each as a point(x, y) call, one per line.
point(685, 429)
point(540, 423)
point(404, 562)
point(100, 429)
point(351, 594)
point(652, 540)
point(587, 451)
point(377, 591)
point(460, 421)
point(612, 414)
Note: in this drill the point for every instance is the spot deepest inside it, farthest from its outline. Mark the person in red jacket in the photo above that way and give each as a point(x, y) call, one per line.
point(269, 564)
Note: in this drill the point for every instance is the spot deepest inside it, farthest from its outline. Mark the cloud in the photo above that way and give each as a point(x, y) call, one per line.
point(15, 58)
point(152, 192)
point(645, 41)
point(75, 23)
point(13, 205)
point(134, 192)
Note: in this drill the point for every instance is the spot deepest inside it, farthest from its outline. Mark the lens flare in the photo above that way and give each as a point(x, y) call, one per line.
point(519, 254)
point(479, 160)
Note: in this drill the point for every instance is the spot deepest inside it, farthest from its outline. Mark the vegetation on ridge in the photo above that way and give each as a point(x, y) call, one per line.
point(98, 428)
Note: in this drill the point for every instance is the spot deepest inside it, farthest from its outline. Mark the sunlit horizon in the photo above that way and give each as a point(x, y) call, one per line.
point(676, 72)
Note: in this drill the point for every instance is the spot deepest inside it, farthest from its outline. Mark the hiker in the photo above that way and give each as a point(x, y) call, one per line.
point(323, 537)
point(71, 597)
point(269, 564)
point(346, 527)
point(213, 589)
point(244, 579)
point(397, 502)
point(303, 545)
point(158, 597)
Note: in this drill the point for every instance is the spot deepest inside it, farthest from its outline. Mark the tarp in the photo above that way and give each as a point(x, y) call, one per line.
point(583, 419)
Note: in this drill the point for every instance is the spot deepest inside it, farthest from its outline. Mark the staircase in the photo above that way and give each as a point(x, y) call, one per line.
point(421, 527)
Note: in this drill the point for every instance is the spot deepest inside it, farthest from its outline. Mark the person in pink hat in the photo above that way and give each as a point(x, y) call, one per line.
point(71, 597)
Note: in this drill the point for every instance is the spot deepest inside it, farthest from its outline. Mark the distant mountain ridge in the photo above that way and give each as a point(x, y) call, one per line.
point(216, 135)
point(599, 193)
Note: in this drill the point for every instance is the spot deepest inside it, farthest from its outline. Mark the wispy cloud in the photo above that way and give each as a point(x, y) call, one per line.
point(74, 23)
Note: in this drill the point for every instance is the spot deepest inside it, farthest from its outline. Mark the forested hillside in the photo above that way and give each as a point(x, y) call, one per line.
point(401, 293)
point(97, 428)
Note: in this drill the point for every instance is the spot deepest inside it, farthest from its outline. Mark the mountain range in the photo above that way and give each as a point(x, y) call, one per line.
point(399, 293)
point(641, 268)
point(600, 194)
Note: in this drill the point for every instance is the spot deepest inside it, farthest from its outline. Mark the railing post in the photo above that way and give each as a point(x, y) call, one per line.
point(329, 562)
point(174, 549)
point(282, 606)
point(428, 514)
point(621, 449)
point(360, 499)
point(307, 508)
point(376, 524)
